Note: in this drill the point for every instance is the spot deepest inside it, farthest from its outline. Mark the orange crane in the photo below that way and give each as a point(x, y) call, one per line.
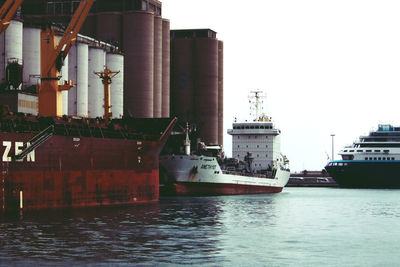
point(7, 12)
point(52, 58)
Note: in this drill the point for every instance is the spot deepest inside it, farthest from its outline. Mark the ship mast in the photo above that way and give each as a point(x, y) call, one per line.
point(256, 101)
point(106, 77)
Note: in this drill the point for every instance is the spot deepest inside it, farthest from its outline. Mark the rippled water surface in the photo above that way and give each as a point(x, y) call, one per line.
point(298, 227)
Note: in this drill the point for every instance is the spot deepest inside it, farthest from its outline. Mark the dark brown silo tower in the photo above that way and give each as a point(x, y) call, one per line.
point(89, 26)
point(220, 92)
point(138, 45)
point(165, 108)
point(157, 95)
point(109, 27)
point(206, 88)
point(182, 92)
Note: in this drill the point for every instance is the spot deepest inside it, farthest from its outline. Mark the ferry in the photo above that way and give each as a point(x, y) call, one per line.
point(371, 162)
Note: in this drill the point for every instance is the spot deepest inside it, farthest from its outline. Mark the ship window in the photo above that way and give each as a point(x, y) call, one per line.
point(257, 146)
point(374, 158)
point(370, 158)
point(266, 156)
point(366, 158)
point(249, 136)
point(238, 137)
point(261, 127)
point(247, 127)
point(257, 155)
point(238, 145)
point(384, 158)
point(359, 151)
point(379, 158)
point(351, 151)
point(392, 158)
point(377, 150)
point(266, 136)
point(345, 151)
point(369, 150)
point(386, 151)
point(255, 137)
point(247, 145)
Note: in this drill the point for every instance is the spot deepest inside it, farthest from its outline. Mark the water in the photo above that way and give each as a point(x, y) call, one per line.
point(298, 227)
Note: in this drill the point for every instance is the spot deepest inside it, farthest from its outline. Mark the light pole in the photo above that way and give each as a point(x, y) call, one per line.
point(332, 146)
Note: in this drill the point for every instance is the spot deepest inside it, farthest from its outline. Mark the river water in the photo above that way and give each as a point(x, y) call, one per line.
point(298, 227)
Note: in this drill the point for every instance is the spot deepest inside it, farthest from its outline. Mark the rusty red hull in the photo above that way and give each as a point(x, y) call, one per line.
point(216, 189)
point(77, 171)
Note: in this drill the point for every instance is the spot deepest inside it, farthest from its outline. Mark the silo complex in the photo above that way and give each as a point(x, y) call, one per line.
point(115, 62)
point(196, 81)
point(95, 85)
point(138, 45)
point(31, 56)
point(166, 50)
point(10, 47)
point(157, 75)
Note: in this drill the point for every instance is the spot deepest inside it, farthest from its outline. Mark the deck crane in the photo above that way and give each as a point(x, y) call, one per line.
point(7, 12)
point(52, 57)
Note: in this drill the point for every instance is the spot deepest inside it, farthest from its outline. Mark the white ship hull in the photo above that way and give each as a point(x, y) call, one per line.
point(201, 175)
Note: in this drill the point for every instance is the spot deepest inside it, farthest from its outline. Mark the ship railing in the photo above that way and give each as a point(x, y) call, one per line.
point(268, 175)
point(35, 142)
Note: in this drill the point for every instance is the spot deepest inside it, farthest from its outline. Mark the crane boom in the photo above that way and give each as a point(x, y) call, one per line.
point(7, 11)
point(52, 56)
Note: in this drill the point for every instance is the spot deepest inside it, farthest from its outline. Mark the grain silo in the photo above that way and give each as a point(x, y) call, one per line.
point(10, 48)
point(95, 85)
point(109, 27)
point(157, 84)
point(182, 94)
point(220, 92)
point(115, 62)
point(166, 50)
point(78, 72)
point(206, 88)
point(138, 45)
point(31, 56)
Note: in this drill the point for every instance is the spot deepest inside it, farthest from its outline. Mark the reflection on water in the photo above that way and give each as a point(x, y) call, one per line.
point(301, 226)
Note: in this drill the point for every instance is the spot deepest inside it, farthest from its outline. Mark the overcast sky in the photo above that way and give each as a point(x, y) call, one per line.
point(327, 67)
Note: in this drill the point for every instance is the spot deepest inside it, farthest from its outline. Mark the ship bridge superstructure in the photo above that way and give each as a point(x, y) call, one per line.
point(382, 144)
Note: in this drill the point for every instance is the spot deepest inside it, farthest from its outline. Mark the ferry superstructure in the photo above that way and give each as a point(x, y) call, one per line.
point(371, 162)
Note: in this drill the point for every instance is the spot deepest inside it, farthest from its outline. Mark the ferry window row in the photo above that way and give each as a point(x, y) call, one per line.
point(369, 150)
point(379, 158)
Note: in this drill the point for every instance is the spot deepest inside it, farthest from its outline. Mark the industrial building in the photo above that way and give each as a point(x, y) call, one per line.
point(163, 73)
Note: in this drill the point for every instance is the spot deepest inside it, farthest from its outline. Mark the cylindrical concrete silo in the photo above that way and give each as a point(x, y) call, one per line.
point(10, 47)
point(206, 88)
point(220, 92)
point(182, 92)
point(109, 27)
point(78, 58)
point(115, 62)
point(31, 56)
point(97, 57)
point(165, 109)
point(157, 95)
point(138, 45)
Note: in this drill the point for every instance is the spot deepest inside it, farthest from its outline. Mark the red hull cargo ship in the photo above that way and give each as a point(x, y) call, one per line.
point(52, 162)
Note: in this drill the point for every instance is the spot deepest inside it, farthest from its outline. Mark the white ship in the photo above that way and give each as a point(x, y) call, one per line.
point(257, 166)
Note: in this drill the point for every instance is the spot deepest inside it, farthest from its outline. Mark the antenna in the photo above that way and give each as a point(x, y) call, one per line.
point(256, 101)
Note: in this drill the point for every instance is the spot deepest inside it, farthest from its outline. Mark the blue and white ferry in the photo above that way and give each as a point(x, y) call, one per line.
point(371, 162)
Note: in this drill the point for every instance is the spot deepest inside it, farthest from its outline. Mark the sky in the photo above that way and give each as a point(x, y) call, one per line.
point(327, 67)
